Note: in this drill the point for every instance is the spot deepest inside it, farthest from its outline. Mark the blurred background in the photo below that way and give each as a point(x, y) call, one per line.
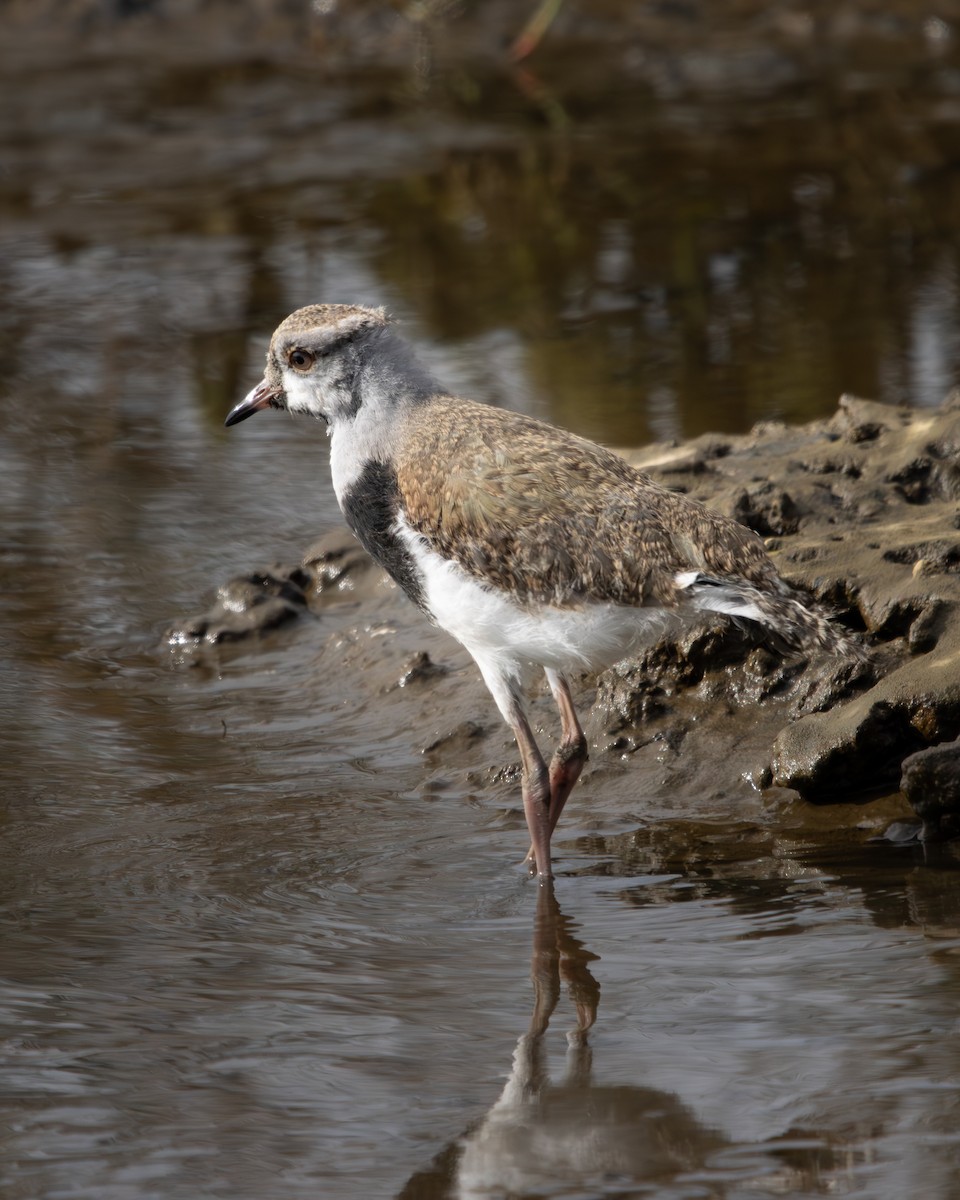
point(644, 220)
point(248, 951)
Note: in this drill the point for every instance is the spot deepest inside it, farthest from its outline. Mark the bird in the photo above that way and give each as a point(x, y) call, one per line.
point(536, 549)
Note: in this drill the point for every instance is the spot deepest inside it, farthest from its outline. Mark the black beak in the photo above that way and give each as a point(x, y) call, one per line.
point(264, 395)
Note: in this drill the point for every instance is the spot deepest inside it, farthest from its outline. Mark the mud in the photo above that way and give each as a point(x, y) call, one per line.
point(872, 493)
point(860, 510)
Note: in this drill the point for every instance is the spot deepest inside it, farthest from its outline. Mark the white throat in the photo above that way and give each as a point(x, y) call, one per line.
point(355, 442)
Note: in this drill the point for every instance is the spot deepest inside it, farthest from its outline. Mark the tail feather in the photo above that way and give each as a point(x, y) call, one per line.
point(800, 626)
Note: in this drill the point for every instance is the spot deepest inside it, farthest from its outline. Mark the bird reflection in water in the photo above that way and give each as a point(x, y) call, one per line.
point(558, 956)
point(541, 1134)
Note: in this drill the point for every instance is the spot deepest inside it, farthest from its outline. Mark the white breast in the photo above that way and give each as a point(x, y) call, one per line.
point(506, 639)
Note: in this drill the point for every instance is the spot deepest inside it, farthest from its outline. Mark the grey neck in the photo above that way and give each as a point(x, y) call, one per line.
point(386, 375)
point(386, 382)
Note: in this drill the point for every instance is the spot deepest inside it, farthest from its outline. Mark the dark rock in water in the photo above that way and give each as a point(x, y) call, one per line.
point(419, 669)
point(931, 782)
point(337, 561)
point(845, 753)
point(901, 833)
point(246, 606)
point(246, 592)
point(251, 605)
point(457, 738)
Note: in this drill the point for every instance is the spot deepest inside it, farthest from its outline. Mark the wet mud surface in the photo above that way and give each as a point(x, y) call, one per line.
point(264, 928)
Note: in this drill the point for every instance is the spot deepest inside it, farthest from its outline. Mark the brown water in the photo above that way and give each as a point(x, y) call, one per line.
point(251, 946)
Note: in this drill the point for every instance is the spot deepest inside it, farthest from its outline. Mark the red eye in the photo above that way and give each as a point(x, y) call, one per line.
point(300, 360)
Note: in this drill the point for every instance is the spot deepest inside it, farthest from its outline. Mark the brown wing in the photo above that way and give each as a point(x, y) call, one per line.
point(553, 517)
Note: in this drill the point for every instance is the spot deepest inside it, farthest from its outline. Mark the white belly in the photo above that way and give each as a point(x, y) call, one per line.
point(499, 632)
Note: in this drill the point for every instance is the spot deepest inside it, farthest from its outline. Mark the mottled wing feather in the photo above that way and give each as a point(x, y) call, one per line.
point(554, 518)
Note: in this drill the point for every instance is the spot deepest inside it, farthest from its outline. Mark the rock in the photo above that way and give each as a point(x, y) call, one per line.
point(246, 606)
point(693, 457)
point(901, 833)
point(637, 689)
point(861, 420)
point(931, 782)
point(251, 605)
point(857, 747)
point(767, 510)
point(877, 544)
point(337, 561)
point(419, 669)
point(245, 592)
point(457, 738)
point(925, 631)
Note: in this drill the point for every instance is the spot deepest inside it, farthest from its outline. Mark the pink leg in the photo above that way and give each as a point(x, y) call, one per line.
point(569, 756)
point(504, 680)
point(535, 785)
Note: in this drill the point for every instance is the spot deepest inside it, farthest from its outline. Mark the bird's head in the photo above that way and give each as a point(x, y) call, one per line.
point(315, 362)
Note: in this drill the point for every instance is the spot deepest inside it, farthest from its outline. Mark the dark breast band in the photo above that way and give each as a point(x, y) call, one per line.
point(371, 506)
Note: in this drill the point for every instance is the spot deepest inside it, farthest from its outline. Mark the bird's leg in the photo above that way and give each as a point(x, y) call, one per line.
point(569, 756)
point(535, 785)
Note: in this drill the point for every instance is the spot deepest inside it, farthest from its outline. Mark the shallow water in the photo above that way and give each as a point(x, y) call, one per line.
point(254, 944)
point(269, 969)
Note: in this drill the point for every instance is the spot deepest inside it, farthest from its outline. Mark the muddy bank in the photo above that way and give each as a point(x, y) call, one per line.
point(860, 509)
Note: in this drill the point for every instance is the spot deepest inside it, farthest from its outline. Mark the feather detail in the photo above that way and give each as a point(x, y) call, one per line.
point(554, 519)
point(797, 624)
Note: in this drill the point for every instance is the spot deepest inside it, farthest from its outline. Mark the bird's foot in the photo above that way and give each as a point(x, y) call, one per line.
point(530, 862)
